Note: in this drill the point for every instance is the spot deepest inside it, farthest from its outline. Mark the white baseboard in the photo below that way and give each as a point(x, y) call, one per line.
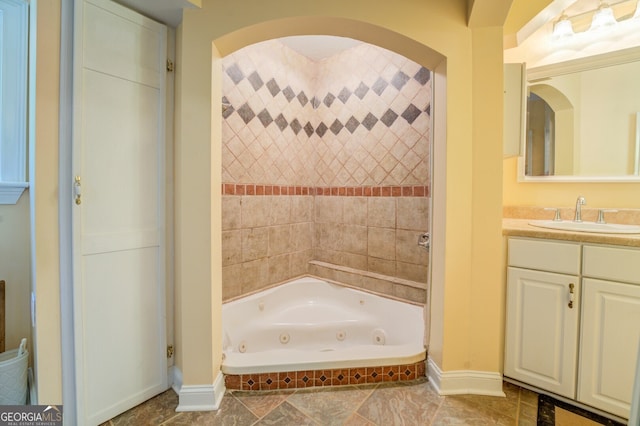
point(464, 381)
point(198, 397)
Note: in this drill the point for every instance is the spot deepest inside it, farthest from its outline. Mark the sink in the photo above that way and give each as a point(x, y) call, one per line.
point(600, 228)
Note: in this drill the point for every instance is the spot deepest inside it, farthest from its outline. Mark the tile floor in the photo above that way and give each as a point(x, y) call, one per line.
point(385, 404)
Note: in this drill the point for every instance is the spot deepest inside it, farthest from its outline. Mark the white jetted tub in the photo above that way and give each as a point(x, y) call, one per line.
point(310, 324)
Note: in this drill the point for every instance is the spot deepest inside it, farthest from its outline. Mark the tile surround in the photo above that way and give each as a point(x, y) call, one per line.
point(360, 118)
point(353, 127)
point(319, 378)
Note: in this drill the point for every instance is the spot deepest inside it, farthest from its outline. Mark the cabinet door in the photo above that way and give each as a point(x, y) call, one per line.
point(542, 330)
point(609, 345)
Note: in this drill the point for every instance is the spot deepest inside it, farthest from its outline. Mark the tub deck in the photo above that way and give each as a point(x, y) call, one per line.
point(309, 332)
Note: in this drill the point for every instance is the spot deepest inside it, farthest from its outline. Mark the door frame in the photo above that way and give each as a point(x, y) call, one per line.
point(69, 393)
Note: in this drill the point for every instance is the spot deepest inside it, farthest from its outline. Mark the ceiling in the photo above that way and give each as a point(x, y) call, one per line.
point(166, 11)
point(317, 47)
point(525, 18)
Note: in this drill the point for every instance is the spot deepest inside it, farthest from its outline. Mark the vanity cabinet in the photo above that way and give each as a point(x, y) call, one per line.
point(542, 314)
point(573, 320)
point(610, 332)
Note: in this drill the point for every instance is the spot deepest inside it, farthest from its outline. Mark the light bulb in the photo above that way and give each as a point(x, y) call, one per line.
point(603, 17)
point(562, 28)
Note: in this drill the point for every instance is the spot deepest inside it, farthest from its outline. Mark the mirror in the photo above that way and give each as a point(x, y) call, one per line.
point(583, 119)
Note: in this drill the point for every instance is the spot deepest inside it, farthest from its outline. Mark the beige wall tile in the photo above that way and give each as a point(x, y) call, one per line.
point(413, 213)
point(329, 209)
point(355, 210)
point(230, 212)
point(279, 268)
point(382, 243)
point(322, 272)
point(355, 239)
point(279, 240)
point(231, 281)
point(300, 262)
point(379, 286)
point(231, 247)
point(382, 266)
point(381, 212)
point(255, 211)
point(329, 236)
point(350, 278)
point(413, 272)
point(329, 256)
point(280, 213)
point(407, 249)
point(255, 243)
point(302, 209)
point(356, 261)
point(255, 275)
point(412, 294)
point(301, 236)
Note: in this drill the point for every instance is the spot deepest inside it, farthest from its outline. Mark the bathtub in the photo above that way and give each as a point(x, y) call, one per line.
point(310, 324)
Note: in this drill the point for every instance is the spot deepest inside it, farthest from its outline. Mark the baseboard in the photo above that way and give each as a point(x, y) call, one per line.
point(464, 381)
point(198, 397)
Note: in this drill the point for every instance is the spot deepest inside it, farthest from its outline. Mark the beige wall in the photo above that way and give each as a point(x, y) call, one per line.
point(15, 226)
point(468, 227)
point(564, 194)
point(44, 199)
point(14, 269)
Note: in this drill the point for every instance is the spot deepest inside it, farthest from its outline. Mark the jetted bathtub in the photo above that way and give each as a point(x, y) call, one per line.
point(310, 324)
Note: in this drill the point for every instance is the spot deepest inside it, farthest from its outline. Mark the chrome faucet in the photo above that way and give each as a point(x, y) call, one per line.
point(579, 203)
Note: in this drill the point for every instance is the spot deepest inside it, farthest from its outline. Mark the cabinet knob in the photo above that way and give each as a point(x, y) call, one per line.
point(571, 295)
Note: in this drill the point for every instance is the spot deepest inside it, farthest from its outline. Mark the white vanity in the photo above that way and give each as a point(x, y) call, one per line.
point(573, 316)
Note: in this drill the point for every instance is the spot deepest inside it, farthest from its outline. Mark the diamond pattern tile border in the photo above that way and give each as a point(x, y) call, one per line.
point(410, 113)
point(316, 378)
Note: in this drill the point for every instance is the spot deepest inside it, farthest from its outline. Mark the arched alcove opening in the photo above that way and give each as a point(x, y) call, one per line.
point(466, 156)
point(221, 47)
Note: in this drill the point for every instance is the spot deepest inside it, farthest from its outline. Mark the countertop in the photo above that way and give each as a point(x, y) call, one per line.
point(521, 228)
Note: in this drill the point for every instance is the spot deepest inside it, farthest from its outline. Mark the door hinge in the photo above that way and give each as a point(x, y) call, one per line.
point(169, 65)
point(170, 351)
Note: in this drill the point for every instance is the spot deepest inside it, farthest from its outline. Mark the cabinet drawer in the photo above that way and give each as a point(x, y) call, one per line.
point(612, 263)
point(545, 255)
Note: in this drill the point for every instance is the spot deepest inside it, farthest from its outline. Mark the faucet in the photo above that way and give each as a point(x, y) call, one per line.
point(579, 203)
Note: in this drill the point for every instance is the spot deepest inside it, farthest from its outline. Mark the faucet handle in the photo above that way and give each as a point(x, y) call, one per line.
point(601, 213)
point(557, 217)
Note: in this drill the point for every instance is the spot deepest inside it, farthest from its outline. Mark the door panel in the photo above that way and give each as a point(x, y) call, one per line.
point(122, 330)
point(118, 240)
point(609, 345)
point(542, 330)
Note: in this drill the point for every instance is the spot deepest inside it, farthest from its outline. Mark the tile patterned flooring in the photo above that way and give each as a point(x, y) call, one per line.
point(384, 404)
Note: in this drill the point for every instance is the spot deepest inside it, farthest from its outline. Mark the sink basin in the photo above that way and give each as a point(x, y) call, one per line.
point(600, 228)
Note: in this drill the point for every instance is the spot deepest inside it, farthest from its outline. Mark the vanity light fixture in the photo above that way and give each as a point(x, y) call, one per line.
point(606, 15)
point(562, 28)
point(603, 17)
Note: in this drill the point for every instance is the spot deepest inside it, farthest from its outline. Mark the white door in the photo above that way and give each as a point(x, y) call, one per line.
point(541, 339)
point(118, 225)
point(609, 345)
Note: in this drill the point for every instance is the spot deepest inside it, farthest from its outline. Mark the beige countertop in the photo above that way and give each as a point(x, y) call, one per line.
point(521, 228)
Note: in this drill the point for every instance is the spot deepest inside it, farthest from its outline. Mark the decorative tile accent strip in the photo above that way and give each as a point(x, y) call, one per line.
point(336, 191)
point(315, 378)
